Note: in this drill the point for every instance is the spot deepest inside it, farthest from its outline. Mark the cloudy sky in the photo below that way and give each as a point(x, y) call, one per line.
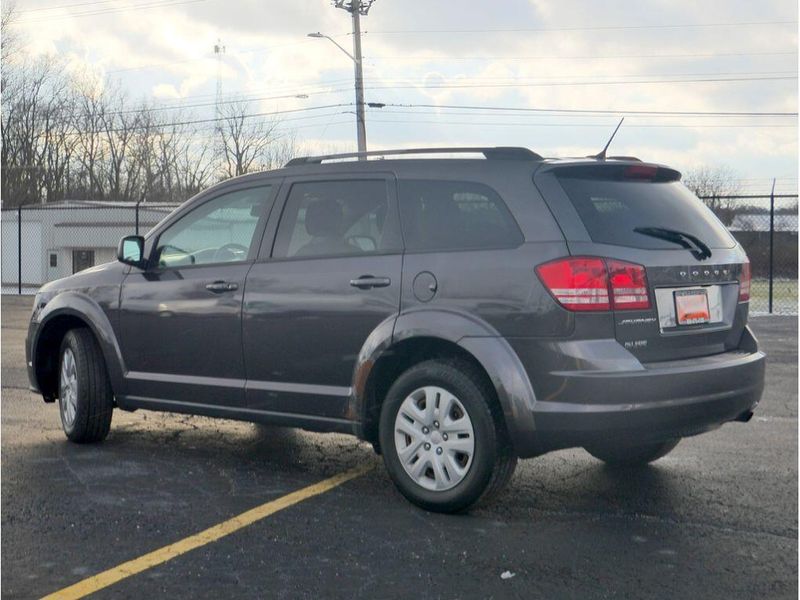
point(428, 61)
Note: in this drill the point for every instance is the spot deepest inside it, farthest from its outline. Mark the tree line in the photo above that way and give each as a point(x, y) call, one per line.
point(68, 136)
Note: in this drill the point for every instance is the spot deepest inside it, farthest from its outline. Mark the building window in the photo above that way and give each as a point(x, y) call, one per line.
point(82, 259)
point(53, 259)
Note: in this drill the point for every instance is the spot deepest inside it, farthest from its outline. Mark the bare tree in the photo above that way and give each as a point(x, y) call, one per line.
point(60, 141)
point(73, 136)
point(281, 151)
point(91, 151)
point(712, 184)
point(245, 140)
point(175, 158)
point(9, 39)
point(194, 163)
point(37, 101)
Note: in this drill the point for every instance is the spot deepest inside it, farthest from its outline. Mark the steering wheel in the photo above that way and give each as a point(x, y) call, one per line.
point(233, 249)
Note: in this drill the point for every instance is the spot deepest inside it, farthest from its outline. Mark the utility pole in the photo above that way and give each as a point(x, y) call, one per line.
point(771, 244)
point(357, 9)
point(361, 126)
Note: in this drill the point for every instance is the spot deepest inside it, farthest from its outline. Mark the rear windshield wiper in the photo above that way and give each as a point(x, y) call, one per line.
point(698, 249)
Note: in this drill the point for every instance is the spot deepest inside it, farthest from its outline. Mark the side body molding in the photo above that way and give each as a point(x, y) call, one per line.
point(476, 337)
point(77, 304)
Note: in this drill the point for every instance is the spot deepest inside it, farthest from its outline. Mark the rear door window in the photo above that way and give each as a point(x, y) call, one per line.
point(455, 215)
point(337, 218)
point(612, 209)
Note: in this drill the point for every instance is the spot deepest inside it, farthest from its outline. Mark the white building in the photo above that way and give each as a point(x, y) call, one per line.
point(62, 238)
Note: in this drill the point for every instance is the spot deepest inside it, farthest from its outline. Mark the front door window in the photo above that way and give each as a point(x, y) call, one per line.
point(218, 231)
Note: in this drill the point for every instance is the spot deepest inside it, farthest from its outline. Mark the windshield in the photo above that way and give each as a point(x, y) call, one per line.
point(613, 210)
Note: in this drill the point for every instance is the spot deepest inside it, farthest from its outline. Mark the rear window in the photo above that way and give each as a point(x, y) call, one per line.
point(455, 215)
point(612, 210)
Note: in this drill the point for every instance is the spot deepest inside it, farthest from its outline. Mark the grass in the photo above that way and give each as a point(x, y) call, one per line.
point(784, 296)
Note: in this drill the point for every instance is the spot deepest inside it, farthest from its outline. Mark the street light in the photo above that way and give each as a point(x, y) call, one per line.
point(361, 127)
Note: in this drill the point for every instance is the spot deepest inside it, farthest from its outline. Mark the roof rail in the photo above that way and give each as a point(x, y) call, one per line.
point(495, 153)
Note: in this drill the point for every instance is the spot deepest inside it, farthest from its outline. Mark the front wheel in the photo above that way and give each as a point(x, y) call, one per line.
point(85, 398)
point(632, 455)
point(443, 439)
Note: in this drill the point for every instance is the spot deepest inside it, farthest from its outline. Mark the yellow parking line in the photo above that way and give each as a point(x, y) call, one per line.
point(212, 534)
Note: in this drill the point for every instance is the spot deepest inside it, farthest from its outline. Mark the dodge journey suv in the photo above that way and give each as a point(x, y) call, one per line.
point(457, 311)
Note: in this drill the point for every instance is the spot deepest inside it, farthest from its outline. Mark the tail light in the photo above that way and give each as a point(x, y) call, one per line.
point(577, 283)
point(642, 172)
point(628, 285)
point(744, 283)
point(584, 283)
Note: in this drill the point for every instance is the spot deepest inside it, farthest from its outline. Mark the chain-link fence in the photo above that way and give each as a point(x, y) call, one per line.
point(41, 243)
point(766, 226)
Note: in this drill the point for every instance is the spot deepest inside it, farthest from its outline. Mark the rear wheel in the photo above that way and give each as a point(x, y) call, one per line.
point(85, 398)
point(632, 455)
point(443, 439)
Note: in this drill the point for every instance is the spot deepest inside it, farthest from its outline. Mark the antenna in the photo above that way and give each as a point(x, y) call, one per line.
point(602, 155)
point(219, 146)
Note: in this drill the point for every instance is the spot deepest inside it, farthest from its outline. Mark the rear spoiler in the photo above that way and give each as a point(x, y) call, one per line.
point(619, 172)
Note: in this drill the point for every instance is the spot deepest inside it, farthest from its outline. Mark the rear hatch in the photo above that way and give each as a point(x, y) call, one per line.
point(641, 214)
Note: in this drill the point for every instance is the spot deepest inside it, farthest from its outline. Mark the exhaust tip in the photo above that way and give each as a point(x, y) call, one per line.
point(745, 416)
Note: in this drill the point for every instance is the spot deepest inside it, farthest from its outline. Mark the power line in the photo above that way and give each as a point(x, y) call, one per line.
point(486, 110)
point(586, 83)
point(62, 6)
point(503, 116)
point(583, 125)
point(451, 113)
point(600, 111)
point(110, 11)
point(542, 57)
point(213, 119)
point(291, 93)
point(246, 51)
point(210, 127)
point(599, 77)
point(242, 100)
point(288, 89)
point(586, 57)
point(409, 82)
point(592, 28)
point(744, 196)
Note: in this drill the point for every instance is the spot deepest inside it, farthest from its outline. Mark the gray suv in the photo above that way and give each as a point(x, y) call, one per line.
point(458, 313)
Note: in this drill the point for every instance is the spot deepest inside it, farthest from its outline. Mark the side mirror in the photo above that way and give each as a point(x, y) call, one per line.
point(131, 250)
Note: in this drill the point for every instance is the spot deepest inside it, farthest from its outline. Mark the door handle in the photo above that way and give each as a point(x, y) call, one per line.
point(366, 282)
point(222, 286)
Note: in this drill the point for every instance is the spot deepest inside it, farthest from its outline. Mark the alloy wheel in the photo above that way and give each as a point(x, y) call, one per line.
point(68, 388)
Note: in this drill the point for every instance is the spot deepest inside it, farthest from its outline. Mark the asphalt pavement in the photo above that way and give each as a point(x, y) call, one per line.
point(716, 518)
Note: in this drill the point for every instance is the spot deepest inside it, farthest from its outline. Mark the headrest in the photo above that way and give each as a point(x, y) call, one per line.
point(323, 218)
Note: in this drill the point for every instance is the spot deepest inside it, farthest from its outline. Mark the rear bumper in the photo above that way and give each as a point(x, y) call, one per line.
point(655, 402)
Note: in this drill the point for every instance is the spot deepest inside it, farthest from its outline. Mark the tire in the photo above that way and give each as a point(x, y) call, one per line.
point(632, 455)
point(458, 480)
point(85, 399)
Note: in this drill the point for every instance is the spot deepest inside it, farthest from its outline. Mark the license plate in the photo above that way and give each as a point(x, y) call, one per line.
point(691, 307)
